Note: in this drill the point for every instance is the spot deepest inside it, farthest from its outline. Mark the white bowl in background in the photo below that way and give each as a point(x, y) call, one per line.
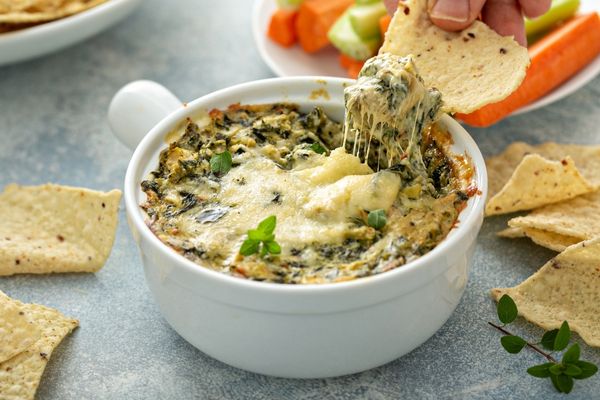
point(297, 331)
point(52, 36)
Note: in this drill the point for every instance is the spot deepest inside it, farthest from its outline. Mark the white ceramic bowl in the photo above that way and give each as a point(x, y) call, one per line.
point(299, 331)
point(52, 36)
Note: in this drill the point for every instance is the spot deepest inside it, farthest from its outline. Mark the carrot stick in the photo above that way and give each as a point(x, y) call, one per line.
point(355, 68)
point(384, 23)
point(345, 61)
point(314, 20)
point(281, 28)
point(554, 59)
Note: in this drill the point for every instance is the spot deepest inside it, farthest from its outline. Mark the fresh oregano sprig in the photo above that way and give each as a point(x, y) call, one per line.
point(561, 374)
point(262, 239)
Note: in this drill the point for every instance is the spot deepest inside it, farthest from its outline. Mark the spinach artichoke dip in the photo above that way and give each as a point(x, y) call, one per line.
point(271, 193)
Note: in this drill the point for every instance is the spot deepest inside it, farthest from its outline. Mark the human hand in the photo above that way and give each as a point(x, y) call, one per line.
point(503, 16)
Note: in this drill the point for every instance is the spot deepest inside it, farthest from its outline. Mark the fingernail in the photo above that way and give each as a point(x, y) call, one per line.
point(450, 10)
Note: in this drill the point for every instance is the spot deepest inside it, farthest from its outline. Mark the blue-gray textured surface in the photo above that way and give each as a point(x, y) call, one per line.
point(53, 129)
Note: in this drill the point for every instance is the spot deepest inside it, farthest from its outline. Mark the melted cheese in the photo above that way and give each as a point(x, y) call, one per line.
point(313, 204)
point(391, 105)
point(321, 201)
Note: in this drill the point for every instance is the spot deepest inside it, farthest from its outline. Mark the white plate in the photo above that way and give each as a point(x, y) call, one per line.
point(52, 36)
point(294, 61)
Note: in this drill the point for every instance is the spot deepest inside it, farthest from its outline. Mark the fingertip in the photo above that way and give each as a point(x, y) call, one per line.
point(535, 8)
point(520, 37)
point(455, 15)
point(450, 25)
point(391, 6)
point(504, 16)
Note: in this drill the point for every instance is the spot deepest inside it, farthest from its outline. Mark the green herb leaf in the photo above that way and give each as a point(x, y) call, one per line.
point(261, 236)
point(377, 219)
point(220, 164)
point(317, 148)
point(249, 247)
point(562, 337)
point(554, 380)
point(556, 369)
point(572, 354)
point(572, 370)
point(564, 383)
point(512, 344)
point(540, 371)
point(549, 338)
point(587, 369)
point(268, 224)
point(262, 239)
point(272, 247)
point(507, 309)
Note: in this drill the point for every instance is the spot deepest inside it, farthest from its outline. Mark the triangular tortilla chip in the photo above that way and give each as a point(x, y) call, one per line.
point(20, 376)
point(567, 288)
point(53, 228)
point(550, 240)
point(17, 331)
point(577, 218)
point(470, 68)
point(536, 182)
point(501, 167)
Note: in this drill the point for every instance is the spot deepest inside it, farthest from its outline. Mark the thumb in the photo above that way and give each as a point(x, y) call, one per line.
point(455, 15)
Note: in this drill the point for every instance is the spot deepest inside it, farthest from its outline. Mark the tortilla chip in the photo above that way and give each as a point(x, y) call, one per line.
point(17, 331)
point(471, 68)
point(567, 288)
point(577, 218)
point(20, 376)
point(52, 228)
point(502, 168)
point(511, 233)
point(7, 6)
point(44, 10)
point(550, 240)
point(536, 182)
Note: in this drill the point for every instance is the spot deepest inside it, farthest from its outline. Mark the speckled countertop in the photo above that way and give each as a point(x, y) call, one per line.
point(53, 129)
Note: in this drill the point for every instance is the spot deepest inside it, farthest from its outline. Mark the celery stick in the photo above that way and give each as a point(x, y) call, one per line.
point(289, 4)
point(365, 19)
point(365, 2)
point(347, 41)
point(559, 11)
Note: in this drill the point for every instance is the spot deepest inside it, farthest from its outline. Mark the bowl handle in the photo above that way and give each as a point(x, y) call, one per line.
point(137, 108)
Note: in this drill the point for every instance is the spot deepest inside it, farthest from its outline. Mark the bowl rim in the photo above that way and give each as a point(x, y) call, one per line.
point(467, 223)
